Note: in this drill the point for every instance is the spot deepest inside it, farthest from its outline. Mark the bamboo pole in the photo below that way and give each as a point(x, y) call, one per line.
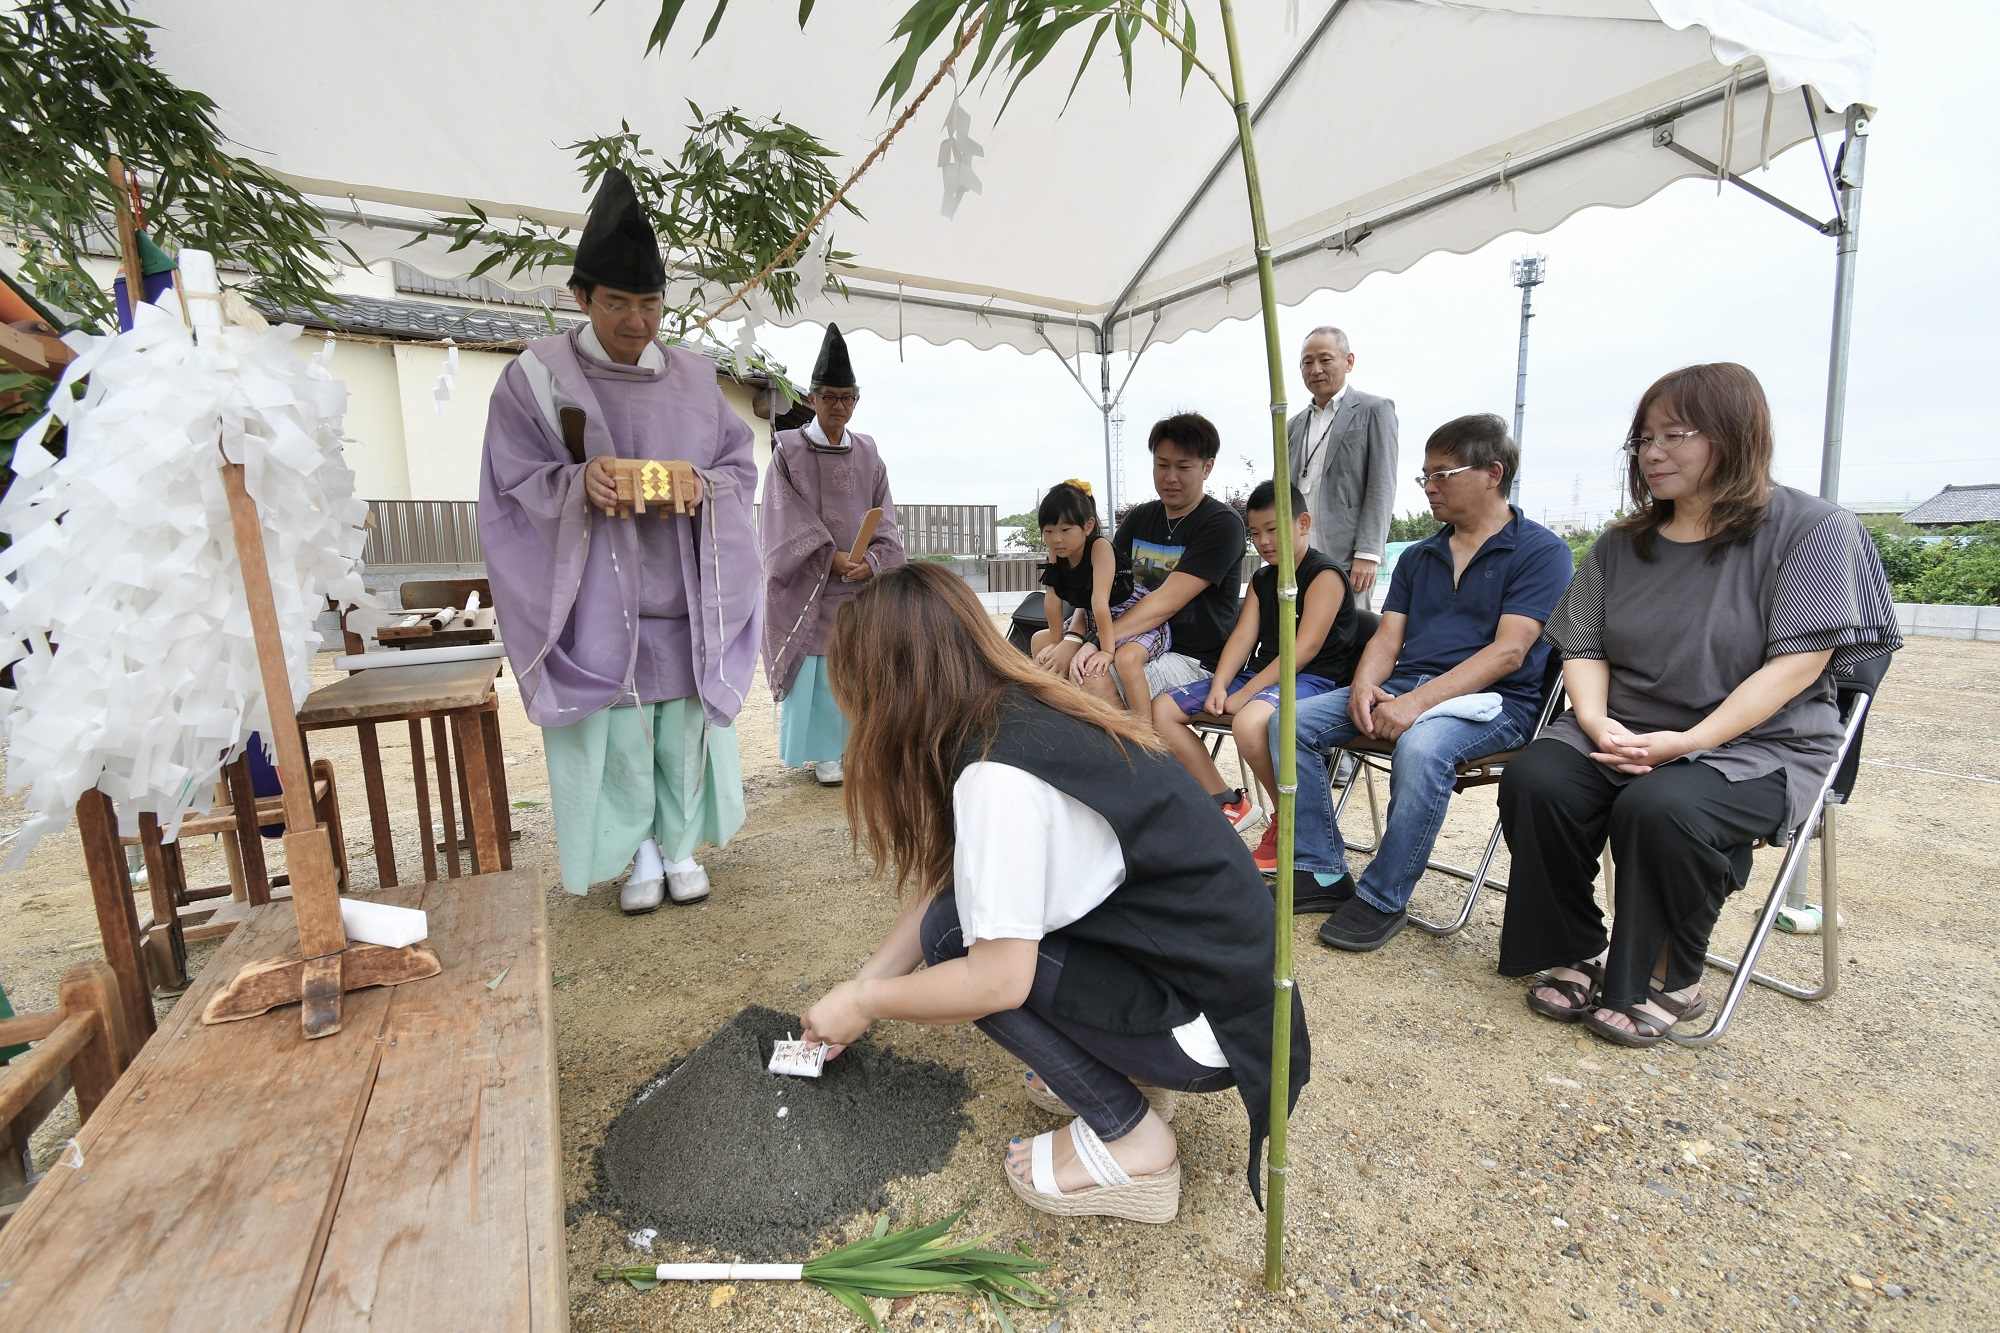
point(1282, 986)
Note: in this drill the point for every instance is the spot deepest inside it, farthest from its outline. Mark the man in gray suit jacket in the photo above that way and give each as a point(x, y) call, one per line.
point(1343, 451)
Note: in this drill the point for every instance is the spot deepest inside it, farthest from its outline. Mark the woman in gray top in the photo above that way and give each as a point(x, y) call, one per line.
point(1698, 639)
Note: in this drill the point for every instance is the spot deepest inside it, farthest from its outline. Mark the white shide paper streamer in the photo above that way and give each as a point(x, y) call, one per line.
point(121, 604)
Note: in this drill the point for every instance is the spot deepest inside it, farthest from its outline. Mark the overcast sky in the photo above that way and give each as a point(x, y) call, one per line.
point(1630, 294)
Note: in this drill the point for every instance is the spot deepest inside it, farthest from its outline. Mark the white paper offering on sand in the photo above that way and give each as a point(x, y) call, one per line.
point(796, 1059)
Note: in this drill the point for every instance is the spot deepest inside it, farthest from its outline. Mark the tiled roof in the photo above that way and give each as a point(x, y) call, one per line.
point(1959, 504)
point(425, 321)
point(428, 321)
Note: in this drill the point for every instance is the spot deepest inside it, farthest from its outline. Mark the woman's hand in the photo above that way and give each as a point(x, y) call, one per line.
point(598, 487)
point(837, 1019)
point(1628, 752)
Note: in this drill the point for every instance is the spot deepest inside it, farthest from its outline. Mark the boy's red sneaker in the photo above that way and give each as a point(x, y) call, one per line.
point(1242, 812)
point(1266, 855)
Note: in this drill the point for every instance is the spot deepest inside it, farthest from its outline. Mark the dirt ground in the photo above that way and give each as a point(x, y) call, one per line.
point(1458, 1163)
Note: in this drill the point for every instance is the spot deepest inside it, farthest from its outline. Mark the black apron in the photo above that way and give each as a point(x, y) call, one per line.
point(1191, 931)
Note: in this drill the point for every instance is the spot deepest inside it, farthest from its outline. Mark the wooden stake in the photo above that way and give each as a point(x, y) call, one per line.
point(128, 234)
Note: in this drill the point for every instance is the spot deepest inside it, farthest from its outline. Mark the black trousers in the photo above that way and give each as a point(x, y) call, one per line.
point(1680, 839)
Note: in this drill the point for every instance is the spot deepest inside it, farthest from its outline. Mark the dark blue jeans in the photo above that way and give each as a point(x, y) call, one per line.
point(1420, 783)
point(1090, 1069)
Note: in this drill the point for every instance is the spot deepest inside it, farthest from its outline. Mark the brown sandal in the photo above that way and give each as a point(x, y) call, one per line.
point(1579, 994)
point(1647, 1029)
point(1683, 1010)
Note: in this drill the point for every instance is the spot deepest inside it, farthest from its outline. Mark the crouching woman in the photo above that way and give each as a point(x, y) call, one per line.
point(1074, 896)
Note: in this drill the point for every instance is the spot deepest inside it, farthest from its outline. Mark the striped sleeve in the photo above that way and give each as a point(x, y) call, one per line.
point(1831, 593)
point(1576, 626)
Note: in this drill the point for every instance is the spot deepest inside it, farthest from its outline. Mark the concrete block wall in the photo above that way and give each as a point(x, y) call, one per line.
point(1949, 622)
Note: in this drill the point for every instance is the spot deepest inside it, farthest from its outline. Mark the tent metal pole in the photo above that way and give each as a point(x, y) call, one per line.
point(1848, 168)
point(1292, 67)
point(1110, 515)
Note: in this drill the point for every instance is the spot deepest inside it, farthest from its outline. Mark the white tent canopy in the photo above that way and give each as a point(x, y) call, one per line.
point(1387, 129)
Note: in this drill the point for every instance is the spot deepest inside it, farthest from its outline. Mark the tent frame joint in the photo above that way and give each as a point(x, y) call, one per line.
point(1663, 137)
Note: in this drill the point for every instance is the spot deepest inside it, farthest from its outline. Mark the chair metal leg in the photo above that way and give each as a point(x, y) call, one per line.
point(1743, 971)
point(1479, 881)
point(1482, 876)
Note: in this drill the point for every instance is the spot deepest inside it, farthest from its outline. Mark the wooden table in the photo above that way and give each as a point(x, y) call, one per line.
point(404, 1173)
point(458, 696)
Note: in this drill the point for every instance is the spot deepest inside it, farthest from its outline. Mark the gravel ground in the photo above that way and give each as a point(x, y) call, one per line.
point(1458, 1163)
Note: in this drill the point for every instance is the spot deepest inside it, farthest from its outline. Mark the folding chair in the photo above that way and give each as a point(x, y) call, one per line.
point(1482, 772)
point(1215, 733)
point(1855, 688)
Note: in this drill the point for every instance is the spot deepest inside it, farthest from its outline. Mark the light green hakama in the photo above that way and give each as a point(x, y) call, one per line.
point(811, 727)
point(611, 789)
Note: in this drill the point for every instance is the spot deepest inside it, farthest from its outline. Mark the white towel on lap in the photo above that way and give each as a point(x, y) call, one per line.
point(1471, 707)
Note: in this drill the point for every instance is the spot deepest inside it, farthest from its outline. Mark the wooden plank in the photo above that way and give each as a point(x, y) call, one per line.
point(426, 844)
point(386, 694)
point(441, 747)
point(155, 1233)
point(378, 805)
point(249, 840)
point(166, 878)
point(117, 917)
point(476, 792)
point(417, 593)
point(496, 772)
point(35, 353)
point(454, 1195)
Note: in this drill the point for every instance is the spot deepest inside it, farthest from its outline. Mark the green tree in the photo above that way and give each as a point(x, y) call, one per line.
point(78, 83)
point(1413, 527)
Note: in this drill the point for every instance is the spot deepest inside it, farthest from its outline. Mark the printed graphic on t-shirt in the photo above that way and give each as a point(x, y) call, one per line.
point(1153, 561)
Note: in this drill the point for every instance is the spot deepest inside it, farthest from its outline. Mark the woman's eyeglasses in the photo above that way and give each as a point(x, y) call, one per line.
point(1670, 440)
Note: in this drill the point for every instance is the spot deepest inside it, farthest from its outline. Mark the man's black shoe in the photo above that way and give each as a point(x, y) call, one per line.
point(1360, 928)
point(1310, 896)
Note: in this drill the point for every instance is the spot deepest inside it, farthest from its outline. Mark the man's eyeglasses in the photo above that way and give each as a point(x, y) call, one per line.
point(1670, 440)
point(1426, 479)
point(836, 399)
point(620, 309)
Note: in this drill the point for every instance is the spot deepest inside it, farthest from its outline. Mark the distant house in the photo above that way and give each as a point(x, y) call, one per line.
point(1956, 505)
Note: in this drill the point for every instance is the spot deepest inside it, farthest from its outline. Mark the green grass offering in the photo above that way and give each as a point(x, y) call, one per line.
point(888, 1265)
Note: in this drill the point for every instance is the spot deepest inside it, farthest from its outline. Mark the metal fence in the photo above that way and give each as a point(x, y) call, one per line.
point(423, 532)
point(446, 532)
point(948, 529)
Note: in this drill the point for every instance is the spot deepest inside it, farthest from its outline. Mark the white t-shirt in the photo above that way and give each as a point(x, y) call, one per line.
point(1030, 860)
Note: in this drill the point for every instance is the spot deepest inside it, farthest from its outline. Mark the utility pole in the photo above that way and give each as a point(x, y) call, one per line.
point(1528, 273)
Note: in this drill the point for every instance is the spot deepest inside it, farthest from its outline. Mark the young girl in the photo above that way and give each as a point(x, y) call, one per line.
point(1087, 573)
point(1072, 896)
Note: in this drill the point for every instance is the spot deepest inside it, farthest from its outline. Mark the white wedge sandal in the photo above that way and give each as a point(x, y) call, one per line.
point(1155, 1198)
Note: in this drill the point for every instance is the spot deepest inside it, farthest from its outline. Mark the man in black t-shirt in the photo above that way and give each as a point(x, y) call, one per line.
point(1186, 549)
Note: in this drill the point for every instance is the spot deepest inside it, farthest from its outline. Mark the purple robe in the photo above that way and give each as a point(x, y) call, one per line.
point(599, 611)
point(814, 500)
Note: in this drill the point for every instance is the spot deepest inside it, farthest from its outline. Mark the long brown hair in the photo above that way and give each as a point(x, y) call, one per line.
point(1726, 404)
point(918, 667)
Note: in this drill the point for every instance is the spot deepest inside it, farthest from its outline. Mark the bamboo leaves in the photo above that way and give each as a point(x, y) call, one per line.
point(741, 188)
point(69, 71)
point(1018, 35)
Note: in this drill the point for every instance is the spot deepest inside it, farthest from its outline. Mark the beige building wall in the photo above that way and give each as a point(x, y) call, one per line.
point(443, 447)
point(374, 422)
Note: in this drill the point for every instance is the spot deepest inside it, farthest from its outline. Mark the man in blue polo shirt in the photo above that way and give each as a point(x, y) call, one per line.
point(1454, 673)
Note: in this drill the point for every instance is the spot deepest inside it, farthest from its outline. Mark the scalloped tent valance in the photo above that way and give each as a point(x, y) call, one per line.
point(1387, 129)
